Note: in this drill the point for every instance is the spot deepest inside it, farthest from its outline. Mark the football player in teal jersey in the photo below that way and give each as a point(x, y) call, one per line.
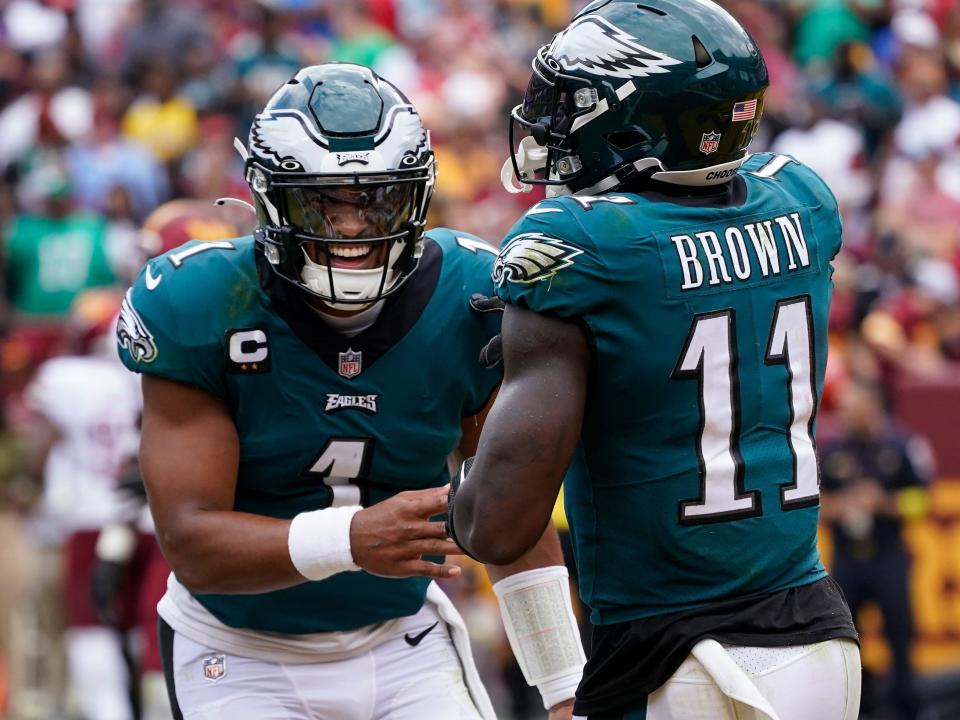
point(303, 389)
point(665, 335)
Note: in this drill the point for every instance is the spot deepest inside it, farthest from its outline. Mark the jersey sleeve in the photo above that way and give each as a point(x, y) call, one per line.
point(549, 264)
point(810, 188)
point(829, 210)
point(165, 330)
point(474, 257)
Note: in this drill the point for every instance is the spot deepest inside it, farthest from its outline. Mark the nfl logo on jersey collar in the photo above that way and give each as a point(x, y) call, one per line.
point(351, 363)
point(710, 143)
point(215, 667)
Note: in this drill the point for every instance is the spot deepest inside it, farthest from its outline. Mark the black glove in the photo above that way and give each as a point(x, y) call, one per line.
point(105, 583)
point(492, 353)
point(454, 486)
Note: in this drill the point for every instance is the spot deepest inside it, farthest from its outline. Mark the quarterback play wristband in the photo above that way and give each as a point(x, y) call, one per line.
point(542, 630)
point(319, 542)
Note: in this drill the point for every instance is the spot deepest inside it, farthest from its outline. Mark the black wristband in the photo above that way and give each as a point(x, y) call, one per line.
point(454, 486)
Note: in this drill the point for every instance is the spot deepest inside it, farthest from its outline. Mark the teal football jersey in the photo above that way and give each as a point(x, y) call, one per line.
point(322, 418)
point(697, 479)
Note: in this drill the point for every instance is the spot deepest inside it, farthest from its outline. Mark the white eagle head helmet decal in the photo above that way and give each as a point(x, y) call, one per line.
point(335, 119)
point(290, 139)
point(341, 171)
point(594, 45)
point(532, 256)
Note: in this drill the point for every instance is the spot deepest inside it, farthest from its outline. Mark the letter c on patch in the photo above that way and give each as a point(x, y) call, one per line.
point(248, 346)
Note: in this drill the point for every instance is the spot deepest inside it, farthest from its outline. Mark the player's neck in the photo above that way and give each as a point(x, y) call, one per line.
point(350, 323)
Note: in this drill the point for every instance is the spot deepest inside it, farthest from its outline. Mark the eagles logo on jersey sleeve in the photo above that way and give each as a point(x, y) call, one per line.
point(530, 257)
point(547, 263)
point(132, 334)
point(167, 324)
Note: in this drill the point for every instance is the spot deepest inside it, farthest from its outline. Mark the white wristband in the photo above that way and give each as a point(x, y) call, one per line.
point(542, 630)
point(319, 542)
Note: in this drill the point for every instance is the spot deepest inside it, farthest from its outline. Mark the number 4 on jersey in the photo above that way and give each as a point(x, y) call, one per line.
point(709, 356)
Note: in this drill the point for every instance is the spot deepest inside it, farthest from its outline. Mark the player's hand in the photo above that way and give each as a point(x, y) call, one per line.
point(492, 353)
point(389, 538)
point(561, 711)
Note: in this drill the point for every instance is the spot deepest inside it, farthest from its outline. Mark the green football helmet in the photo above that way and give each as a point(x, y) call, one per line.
point(337, 140)
point(664, 89)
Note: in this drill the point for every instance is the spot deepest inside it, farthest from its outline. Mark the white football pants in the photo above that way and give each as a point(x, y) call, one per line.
point(716, 682)
point(395, 680)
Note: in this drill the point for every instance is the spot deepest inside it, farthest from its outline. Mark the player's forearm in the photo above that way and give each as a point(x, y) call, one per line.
point(493, 524)
point(545, 553)
point(504, 504)
point(503, 507)
point(229, 552)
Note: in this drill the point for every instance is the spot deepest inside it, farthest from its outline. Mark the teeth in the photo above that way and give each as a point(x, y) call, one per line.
point(350, 252)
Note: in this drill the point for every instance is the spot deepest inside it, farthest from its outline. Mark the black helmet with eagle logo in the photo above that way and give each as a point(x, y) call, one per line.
point(672, 89)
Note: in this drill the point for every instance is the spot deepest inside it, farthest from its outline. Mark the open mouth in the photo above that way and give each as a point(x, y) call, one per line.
point(354, 256)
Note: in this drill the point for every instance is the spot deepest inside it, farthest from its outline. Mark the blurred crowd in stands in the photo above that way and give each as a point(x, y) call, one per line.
point(110, 108)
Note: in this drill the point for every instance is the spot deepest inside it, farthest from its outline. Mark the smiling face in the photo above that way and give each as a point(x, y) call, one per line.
point(341, 172)
point(344, 214)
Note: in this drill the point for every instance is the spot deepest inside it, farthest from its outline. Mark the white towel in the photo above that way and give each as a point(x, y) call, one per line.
point(461, 643)
point(730, 678)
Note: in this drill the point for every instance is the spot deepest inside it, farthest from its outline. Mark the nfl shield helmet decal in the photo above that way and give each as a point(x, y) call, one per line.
point(710, 143)
point(351, 363)
point(214, 667)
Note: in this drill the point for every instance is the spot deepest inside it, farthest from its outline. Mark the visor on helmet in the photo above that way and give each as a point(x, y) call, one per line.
point(366, 212)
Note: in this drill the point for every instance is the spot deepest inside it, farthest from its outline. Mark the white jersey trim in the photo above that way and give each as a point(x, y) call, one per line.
point(181, 611)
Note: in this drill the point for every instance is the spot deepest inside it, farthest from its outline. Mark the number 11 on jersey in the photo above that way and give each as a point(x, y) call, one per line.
point(709, 356)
